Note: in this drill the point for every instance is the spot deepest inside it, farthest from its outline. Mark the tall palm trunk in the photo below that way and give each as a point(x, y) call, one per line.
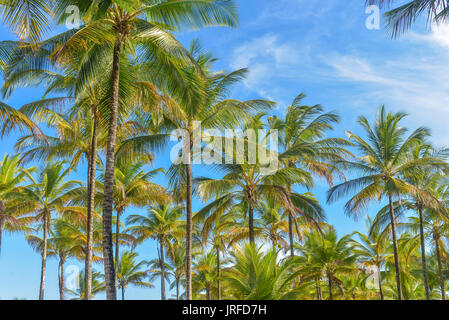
point(108, 202)
point(177, 289)
point(251, 222)
point(290, 220)
point(395, 248)
point(123, 292)
point(61, 278)
point(218, 275)
point(162, 263)
point(379, 280)
point(440, 268)
point(44, 258)
point(189, 223)
point(117, 243)
point(1, 230)
point(290, 235)
point(92, 171)
point(423, 252)
point(319, 294)
point(208, 293)
point(329, 281)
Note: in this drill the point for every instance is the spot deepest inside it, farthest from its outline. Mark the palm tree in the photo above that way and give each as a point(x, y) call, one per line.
point(176, 266)
point(259, 276)
point(129, 272)
point(303, 142)
point(204, 101)
point(12, 175)
point(60, 245)
point(162, 223)
point(133, 187)
point(119, 28)
point(44, 197)
point(383, 162)
point(329, 254)
point(98, 285)
point(401, 18)
point(371, 250)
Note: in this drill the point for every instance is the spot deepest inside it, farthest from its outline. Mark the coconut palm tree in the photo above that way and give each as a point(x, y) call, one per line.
point(304, 145)
point(401, 18)
point(206, 102)
point(60, 245)
point(371, 250)
point(383, 162)
point(162, 223)
point(130, 272)
point(133, 186)
point(119, 28)
point(256, 275)
point(329, 254)
point(12, 176)
point(98, 285)
point(48, 195)
point(176, 266)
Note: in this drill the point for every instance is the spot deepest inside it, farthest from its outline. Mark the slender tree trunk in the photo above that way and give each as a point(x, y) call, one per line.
point(162, 263)
point(117, 243)
point(177, 289)
point(92, 164)
point(61, 278)
point(1, 231)
point(44, 258)
point(290, 235)
point(189, 224)
point(423, 253)
point(379, 279)
point(290, 224)
point(123, 293)
point(395, 248)
point(329, 281)
point(319, 294)
point(218, 275)
point(207, 293)
point(251, 222)
point(440, 268)
point(108, 256)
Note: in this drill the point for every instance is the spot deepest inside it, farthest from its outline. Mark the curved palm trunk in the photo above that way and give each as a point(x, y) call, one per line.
point(108, 202)
point(440, 268)
point(189, 226)
point(251, 222)
point(218, 275)
point(423, 253)
point(61, 278)
point(379, 280)
point(329, 281)
point(44, 258)
point(92, 167)
point(162, 263)
point(395, 248)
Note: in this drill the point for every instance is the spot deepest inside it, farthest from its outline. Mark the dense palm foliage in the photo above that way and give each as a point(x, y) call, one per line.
point(257, 229)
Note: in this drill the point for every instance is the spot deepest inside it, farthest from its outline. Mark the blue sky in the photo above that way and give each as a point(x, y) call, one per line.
point(321, 48)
